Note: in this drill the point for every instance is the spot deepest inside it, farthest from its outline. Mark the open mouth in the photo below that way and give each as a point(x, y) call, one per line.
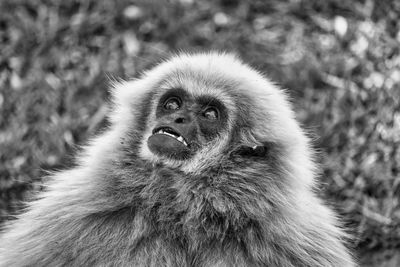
point(170, 132)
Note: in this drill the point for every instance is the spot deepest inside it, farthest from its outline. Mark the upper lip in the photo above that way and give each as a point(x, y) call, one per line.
point(170, 132)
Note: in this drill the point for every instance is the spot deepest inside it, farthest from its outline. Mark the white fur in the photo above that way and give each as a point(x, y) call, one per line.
point(76, 193)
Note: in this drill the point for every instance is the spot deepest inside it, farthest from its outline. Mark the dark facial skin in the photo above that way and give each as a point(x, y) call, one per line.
point(185, 124)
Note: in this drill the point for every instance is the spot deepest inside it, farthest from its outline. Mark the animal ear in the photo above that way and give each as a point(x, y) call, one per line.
point(250, 146)
point(255, 151)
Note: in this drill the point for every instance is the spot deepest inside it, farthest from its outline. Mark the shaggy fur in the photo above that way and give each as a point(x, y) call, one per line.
point(124, 206)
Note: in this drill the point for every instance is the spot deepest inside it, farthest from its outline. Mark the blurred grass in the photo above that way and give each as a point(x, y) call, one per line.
point(339, 60)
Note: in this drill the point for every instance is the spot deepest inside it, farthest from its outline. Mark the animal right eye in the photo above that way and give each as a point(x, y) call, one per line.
point(172, 103)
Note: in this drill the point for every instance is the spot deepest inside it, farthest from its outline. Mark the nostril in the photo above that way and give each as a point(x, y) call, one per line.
point(180, 120)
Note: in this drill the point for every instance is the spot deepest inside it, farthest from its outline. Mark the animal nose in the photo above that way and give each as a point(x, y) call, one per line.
point(182, 118)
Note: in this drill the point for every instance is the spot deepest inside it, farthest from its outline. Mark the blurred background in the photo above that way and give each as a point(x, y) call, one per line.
point(339, 60)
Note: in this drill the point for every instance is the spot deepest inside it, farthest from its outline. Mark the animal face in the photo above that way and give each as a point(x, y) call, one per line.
point(193, 109)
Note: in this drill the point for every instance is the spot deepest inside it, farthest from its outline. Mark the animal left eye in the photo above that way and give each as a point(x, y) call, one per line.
point(172, 103)
point(211, 114)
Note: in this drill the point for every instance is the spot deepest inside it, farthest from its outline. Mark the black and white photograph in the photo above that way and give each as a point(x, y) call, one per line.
point(200, 133)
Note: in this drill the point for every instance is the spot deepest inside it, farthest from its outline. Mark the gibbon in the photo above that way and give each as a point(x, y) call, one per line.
point(203, 165)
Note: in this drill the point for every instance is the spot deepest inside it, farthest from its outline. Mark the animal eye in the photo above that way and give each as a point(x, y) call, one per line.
point(172, 103)
point(211, 114)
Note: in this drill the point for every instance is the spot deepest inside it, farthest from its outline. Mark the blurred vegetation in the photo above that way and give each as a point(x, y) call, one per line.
point(339, 60)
